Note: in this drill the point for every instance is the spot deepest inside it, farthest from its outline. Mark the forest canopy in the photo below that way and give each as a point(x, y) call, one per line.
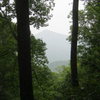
point(48, 85)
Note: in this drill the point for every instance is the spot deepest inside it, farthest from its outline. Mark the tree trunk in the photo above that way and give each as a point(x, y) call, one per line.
point(74, 74)
point(24, 56)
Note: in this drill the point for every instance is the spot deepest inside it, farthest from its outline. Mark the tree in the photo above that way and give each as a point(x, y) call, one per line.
point(89, 37)
point(39, 11)
point(38, 48)
point(74, 75)
point(9, 83)
point(24, 53)
point(8, 61)
point(39, 15)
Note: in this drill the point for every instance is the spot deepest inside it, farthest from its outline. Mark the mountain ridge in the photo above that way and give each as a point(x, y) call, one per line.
point(58, 48)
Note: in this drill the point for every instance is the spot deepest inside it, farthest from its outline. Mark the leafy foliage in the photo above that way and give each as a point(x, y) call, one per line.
point(89, 36)
point(39, 11)
point(53, 85)
point(8, 61)
point(9, 79)
point(88, 54)
point(38, 52)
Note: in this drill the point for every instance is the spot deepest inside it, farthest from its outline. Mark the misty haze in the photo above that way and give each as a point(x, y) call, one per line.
point(58, 48)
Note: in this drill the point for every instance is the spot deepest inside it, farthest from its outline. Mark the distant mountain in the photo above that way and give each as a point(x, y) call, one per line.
point(58, 48)
point(55, 64)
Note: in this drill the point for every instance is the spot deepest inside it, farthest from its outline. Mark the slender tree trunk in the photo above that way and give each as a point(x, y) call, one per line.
point(74, 74)
point(24, 56)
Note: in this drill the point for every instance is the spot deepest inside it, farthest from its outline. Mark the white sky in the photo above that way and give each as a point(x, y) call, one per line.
point(59, 22)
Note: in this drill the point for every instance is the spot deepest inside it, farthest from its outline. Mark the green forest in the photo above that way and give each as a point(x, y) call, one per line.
point(24, 71)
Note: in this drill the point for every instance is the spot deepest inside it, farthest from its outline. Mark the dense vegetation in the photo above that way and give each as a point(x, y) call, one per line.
point(48, 85)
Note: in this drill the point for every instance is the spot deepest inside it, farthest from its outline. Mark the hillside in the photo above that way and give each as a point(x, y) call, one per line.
point(53, 66)
point(58, 48)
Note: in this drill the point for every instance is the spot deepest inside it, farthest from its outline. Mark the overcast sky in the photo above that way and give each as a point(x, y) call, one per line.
point(59, 22)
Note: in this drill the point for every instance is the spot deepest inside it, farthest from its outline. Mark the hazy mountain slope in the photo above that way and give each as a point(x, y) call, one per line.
point(58, 49)
point(53, 66)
